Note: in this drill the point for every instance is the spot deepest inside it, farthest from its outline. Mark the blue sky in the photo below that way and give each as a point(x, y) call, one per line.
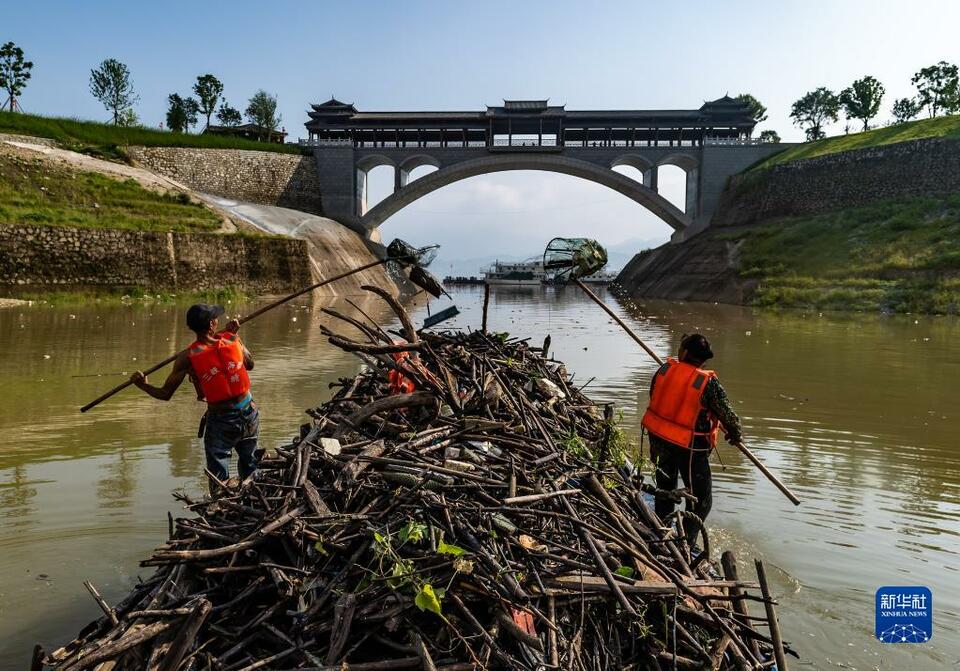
point(457, 55)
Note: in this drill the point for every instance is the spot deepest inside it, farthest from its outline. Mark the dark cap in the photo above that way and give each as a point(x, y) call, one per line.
point(200, 315)
point(697, 347)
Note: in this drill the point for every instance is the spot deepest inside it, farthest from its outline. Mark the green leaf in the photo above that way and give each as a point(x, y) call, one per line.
point(413, 532)
point(447, 549)
point(427, 599)
point(625, 571)
point(380, 538)
point(400, 573)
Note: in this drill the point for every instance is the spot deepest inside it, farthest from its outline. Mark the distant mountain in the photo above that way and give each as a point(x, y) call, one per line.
point(619, 255)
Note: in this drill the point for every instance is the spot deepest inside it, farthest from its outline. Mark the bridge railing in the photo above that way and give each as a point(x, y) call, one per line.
point(731, 141)
point(531, 144)
point(313, 142)
point(526, 142)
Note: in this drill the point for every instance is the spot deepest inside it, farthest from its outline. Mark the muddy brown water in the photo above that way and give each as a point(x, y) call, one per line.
point(856, 413)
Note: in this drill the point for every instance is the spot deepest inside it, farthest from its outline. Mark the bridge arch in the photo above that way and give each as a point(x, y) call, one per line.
point(691, 168)
point(365, 166)
point(685, 162)
point(409, 165)
point(644, 165)
point(637, 161)
point(620, 183)
point(371, 161)
point(414, 162)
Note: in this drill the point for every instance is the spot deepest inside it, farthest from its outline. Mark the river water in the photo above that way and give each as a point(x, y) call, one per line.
point(856, 413)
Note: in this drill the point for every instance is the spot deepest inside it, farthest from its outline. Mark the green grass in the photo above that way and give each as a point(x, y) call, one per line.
point(38, 192)
point(948, 127)
point(898, 256)
point(107, 140)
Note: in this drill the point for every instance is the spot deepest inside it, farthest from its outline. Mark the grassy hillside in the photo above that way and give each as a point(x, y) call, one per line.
point(36, 192)
point(948, 126)
point(899, 257)
point(107, 140)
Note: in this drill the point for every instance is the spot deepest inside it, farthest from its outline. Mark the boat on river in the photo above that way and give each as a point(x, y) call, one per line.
point(601, 277)
point(521, 273)
point(532, 273)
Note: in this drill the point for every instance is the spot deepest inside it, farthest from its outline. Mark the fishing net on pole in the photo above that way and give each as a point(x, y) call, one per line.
point(407, 255)
point(572, 258)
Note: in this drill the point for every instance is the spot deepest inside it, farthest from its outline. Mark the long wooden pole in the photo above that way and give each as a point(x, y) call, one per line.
point(770, 476)
point(740, 446)
point(729, 563)
point(486, 304)
point(596, 299)
point(256, 313)
point(778, 651)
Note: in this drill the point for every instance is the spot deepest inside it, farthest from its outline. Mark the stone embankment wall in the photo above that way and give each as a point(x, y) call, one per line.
point(263, 177)
point(52, 257)
point(929, 167)
point(707, 266)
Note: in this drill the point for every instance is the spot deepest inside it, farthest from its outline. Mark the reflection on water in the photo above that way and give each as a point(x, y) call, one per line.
point(855, 413)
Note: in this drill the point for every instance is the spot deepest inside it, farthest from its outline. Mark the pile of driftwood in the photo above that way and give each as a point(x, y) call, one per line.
point(478, 522)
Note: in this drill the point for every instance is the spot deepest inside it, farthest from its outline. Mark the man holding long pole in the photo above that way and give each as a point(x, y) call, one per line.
point(687, 408)
point(217, 362)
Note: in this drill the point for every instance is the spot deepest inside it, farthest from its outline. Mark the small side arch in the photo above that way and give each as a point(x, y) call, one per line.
point(414, 162)
point(641, 163)
point(371, 161)
point(691, 167)
point(685, 162)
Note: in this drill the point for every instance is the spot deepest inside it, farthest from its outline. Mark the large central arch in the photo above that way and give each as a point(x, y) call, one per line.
point(631, 188)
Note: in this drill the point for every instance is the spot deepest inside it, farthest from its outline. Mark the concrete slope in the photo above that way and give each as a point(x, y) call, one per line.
point(333, 247)
point(701, 269)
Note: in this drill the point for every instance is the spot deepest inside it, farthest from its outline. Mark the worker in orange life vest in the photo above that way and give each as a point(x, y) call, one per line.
point(217, 362)
point(400, 383)
point(688, 406)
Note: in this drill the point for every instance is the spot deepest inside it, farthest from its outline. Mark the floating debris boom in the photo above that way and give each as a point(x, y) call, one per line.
point(487, 520)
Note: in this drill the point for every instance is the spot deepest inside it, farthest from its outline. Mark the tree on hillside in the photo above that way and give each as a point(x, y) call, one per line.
point(861, 100)
point(769, 136)
point(128, 118)
point(905, 109)
point(813, 110)
point(262, 110)
point(110, 83)
point(192, 109)
point(208, 89)
point(181, 113)
point(14, 73)
point(229, 116)
point(176, 113)
point(938, 88)
point(757, 110)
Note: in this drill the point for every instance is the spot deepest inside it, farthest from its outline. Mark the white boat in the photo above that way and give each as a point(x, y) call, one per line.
point(601, 277)
point(517, 274)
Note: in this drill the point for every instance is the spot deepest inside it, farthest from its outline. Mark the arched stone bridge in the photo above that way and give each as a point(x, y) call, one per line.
point(709, 144)
point(343, 171)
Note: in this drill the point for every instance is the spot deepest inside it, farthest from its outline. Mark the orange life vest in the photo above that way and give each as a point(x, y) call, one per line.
point(676, 402)
point(219, 368)
point(399, 384)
